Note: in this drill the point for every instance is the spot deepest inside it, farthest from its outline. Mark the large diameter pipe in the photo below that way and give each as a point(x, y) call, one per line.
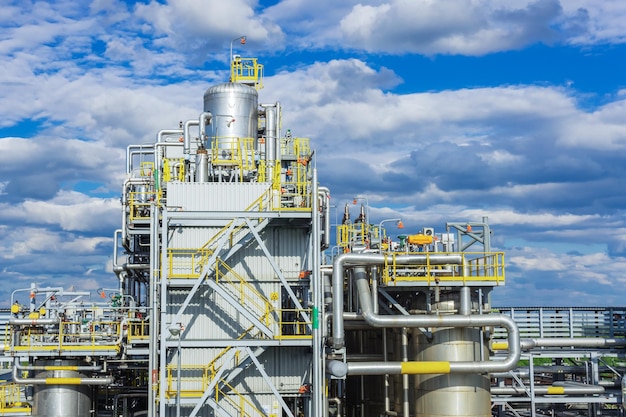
point(33, 322)
point(550, 390)
point(372, 259)
point(59, 367)
point(576, 342)
point(60, 380)
point(324, 193)
point(187, 137)
point(375, 320)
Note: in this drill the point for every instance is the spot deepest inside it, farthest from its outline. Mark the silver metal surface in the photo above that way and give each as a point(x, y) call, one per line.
point(234, 110)
point(66, 400)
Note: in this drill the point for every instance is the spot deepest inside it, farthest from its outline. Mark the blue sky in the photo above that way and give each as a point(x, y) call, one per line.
point(436, 111)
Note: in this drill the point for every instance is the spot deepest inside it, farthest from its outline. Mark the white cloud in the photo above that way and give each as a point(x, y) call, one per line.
point(449, 27)
point(68, 210)
point(200, 26)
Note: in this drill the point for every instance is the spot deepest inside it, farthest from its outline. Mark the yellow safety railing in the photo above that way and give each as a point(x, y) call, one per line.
point(173, 169)
point(195, 378)
point(146, 169)
point(248, 295)
point(236, 400)
point(292, 326)
point(139, 203)
point(354, 233)
point(138, 331)
point(186, 263)
point(11, 401)
point(233, 152)
point(81, 336)
point(474, 267)
point(247, 71)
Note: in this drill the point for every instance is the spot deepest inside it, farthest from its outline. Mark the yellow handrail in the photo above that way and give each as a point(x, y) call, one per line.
point(10, 400)
point(474, 267)
point(72, 336)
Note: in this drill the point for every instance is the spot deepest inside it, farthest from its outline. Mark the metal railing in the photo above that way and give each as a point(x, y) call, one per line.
point(247, 71)
point(567, 322)
point(11, 400)
point(92, 336)
point(474, 267)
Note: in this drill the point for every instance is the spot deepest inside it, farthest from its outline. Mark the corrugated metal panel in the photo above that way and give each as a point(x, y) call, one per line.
point(214, 196)
point(289, 249)
point(210, 316)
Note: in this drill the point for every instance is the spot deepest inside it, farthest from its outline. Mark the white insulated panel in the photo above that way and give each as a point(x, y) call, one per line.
point(214, 196)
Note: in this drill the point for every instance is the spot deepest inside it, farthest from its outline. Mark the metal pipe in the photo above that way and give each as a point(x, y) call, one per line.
point(386, 379)
point(444, 321)
point(59, 367)
point(132, 149)
point(167, 132)
point(58, 381)
point(33, 322)
point(576, 342)
point(187, 137)
point(318, 307)
point(337, 402)
point(405, 377)
point(372, 259)
point(465, 303)
point(204, 119)
point(325, 193)
point(550, 390)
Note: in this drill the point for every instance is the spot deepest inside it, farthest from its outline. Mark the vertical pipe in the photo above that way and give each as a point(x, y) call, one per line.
point(387, 401)
point(179, 351)
point(187, 137)
point(271, 139)
point(164, 332)
point(202, 169)
point(154, 311)
point(318, 306)
point(405, 377)
point(465, 302)
point(33, 291)
point(532, 384)
point(375, 290)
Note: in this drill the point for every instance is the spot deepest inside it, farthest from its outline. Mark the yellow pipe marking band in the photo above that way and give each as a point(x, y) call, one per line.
point(425, 368)
point(500, 346)
point(61, 368)
point(556, 390)
point(64, 381)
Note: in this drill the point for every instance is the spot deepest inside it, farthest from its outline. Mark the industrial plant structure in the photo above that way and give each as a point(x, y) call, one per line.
point(233, 297)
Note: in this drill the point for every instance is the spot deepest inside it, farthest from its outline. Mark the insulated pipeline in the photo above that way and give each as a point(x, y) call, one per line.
point(372, 259)
point(58, 380)
point(495, 320)
point(560, 342)
point(396, 321)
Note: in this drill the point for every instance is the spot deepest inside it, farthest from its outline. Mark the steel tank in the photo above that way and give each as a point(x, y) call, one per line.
point(234, 110)
point(61, 400)
point(451, 394)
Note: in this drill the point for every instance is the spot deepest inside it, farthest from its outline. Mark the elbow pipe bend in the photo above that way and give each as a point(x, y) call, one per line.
point(58, 380)
point(493, 320)
point(369, 259)
point(376, 320)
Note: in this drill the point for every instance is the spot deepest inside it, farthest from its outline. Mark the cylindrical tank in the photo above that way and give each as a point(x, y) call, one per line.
point(61, 400)
point(234, 108)
point(451, 394)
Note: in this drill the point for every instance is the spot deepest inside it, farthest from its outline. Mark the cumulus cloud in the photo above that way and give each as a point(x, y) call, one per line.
point(201, 27)
point(68, 210)
point(450, 27)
